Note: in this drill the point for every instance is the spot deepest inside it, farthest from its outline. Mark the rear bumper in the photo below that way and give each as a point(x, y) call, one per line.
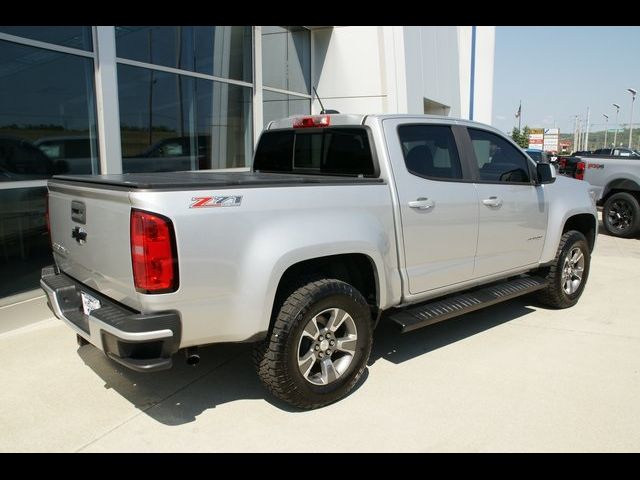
point(141, 342)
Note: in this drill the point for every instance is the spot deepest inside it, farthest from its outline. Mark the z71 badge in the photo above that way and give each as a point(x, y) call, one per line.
point(216, 201)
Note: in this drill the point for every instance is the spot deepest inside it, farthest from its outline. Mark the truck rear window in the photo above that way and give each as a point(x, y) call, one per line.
point(330, 151)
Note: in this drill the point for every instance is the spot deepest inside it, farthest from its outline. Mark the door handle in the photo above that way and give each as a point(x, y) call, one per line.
point(492, 202)
point(422, 203)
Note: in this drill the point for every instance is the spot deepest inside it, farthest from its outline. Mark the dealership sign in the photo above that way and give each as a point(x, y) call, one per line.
point(536, 138)
point(551, 139)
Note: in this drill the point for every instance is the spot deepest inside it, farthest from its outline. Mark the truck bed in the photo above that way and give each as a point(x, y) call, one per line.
point(204, 179)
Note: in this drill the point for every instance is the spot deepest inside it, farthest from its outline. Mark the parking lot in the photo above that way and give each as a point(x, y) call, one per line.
point(513, 377)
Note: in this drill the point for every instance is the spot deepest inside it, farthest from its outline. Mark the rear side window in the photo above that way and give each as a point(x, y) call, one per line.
point(498, 160)
point(330, 151)
point(430, 151)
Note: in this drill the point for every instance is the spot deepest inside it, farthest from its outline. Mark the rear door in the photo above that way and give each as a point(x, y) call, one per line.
point(438, 203)
point(513, 210)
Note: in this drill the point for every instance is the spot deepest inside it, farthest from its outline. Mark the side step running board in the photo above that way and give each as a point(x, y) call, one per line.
point(438, 310)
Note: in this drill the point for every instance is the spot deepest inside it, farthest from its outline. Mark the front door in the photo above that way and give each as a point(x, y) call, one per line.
point(438, 209)
point(513, 210)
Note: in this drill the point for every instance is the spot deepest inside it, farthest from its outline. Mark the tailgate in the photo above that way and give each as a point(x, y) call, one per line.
point(90, 237)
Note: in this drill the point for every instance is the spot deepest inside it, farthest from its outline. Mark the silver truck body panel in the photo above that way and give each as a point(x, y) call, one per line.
point(603, 173)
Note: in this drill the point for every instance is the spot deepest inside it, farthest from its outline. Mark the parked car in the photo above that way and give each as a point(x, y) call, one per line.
point(617, 152)
point(20, 160)
point(70, 154)
point(343, 220)
point(538, 155)
point(171, 155)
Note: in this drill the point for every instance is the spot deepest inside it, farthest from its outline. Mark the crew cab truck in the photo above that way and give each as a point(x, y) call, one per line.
point(615, 181)
point(342, 220)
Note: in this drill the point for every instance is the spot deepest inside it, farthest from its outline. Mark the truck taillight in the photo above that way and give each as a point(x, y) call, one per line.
point(153, 253)
point(580, 166)
point(312, 121)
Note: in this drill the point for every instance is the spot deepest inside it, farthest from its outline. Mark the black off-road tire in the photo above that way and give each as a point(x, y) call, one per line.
point(276, 359)
point(554, 295)
point(630, 206)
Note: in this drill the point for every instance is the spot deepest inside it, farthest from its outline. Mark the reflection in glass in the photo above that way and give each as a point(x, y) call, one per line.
point(24, 242)
point(73, 36)
point(279, 105)
point(286, 58)
point(47, 126)
point(47, 119)
point(222, 51)
point(174, 122)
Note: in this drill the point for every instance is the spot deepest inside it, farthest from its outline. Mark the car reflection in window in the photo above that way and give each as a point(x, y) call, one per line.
point(20, 160)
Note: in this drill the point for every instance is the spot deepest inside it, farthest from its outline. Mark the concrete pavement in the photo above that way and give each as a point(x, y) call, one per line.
point(513, 377)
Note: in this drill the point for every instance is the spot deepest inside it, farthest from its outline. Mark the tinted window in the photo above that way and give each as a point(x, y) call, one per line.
point(74, 36)
point(223, 51)
point(338, 151)
point(430, 151)
point(498, 160)
point(47, 105)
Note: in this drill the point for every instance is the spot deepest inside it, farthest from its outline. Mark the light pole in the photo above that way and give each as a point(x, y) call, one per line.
point(615, 132)
point(633, 98)
point(606, 129)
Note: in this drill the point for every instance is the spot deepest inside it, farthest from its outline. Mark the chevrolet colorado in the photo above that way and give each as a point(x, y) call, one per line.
point(342, 220)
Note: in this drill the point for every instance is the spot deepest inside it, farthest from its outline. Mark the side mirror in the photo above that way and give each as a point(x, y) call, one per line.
point(546, 173)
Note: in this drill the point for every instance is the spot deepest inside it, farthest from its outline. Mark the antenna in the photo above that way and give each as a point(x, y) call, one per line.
point(323, 111)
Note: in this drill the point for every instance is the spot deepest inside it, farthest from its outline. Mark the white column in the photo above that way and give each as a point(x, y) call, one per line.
point(107, 100)
point(257, 83)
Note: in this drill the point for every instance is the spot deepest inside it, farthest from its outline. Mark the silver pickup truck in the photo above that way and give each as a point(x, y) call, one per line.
point(615, 181)
point(343, 220)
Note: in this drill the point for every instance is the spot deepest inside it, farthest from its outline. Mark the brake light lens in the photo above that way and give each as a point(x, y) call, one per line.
point(153, 253)
point(580, 166)
point(314, 121)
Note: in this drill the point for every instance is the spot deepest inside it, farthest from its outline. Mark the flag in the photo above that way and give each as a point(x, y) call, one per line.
point(519, 111)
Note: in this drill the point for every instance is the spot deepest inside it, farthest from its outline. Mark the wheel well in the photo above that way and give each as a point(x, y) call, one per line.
point(584, 224)
point(354, 268)
point(621, 185)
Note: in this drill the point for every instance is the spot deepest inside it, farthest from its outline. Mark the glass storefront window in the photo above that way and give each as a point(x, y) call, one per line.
point(279, 105)
point(175, 122)
point(74, 36)
point(286, 58)
point(47, 119)
point(222, 51)
point(47, 126)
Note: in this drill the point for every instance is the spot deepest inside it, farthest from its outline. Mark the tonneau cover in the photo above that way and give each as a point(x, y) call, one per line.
point(205, 179)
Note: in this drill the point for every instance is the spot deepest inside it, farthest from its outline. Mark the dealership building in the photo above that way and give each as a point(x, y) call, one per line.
point(114, 99)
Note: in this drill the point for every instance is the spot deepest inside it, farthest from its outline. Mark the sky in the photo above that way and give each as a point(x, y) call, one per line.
point(558, 72)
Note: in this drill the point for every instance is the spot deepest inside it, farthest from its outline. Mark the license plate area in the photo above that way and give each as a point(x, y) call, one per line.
point(89, 303)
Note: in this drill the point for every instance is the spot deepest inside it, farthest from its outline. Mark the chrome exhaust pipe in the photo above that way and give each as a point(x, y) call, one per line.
point(193, 357)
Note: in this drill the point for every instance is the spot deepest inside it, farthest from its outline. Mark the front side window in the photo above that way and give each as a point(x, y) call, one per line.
point(430, 151)
point(498, 160)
